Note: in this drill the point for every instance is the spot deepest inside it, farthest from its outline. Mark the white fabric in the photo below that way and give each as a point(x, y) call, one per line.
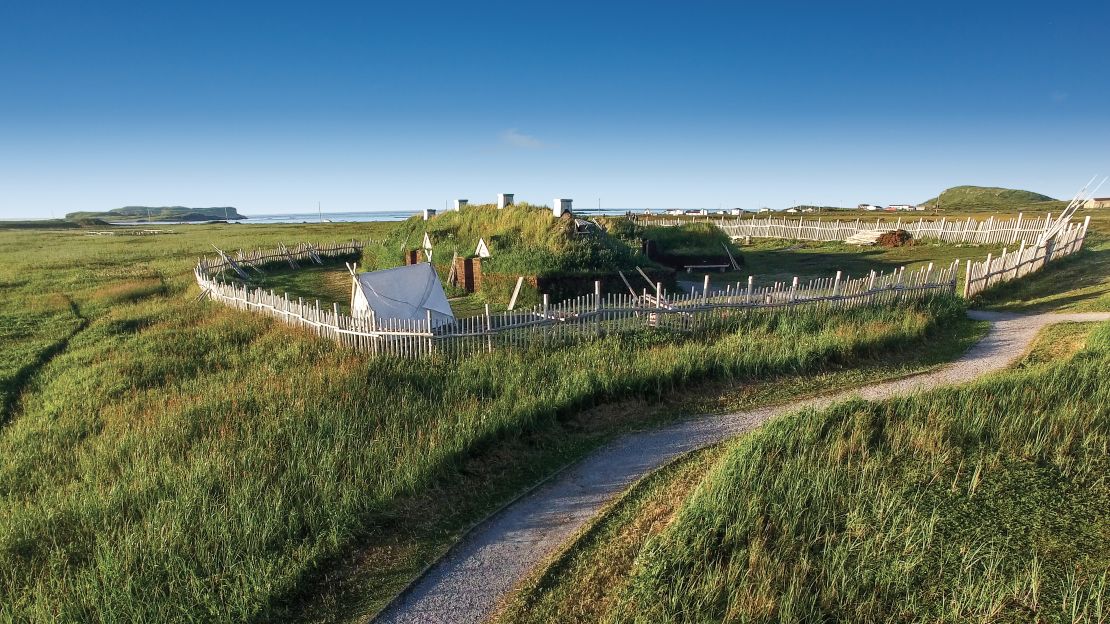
point(407, 292)
point(483, 250)
point(427, 246)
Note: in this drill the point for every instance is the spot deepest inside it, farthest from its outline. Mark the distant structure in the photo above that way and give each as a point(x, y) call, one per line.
point(869, 207)
point(560, 206)
point(504, 200)
point(1097, 202)
point(429, 213)
point(459, 204)
point(901, 207)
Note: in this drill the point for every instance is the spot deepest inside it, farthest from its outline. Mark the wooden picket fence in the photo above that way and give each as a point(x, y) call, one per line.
point(597, 314)
point(303, 252)
point(1026, 259)
point(574, 319)
point(986, 232)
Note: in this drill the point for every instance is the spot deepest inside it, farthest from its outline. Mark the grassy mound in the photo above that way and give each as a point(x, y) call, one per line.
point(989, 197)
point(523, 239)
point(979, 503)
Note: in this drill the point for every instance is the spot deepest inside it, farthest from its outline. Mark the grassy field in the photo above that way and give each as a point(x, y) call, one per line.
point(984, 503)
point(773, 260)
point(164, 459)
point(143, 430)
point(329, 283)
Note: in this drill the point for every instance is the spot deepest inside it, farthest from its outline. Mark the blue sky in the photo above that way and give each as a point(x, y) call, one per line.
point(271, 107)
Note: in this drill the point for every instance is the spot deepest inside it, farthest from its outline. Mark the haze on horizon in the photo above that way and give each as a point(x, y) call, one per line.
point(272, 107)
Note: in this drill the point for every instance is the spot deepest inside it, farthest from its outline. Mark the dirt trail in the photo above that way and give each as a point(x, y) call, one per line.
point(466, 584)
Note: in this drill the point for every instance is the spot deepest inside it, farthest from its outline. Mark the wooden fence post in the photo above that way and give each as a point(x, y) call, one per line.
point(489, 331)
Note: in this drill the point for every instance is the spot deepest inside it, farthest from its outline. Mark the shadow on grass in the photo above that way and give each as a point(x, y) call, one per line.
point(20, 380)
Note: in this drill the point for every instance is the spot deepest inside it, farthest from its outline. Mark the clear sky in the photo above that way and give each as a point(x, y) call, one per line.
point(273, 106)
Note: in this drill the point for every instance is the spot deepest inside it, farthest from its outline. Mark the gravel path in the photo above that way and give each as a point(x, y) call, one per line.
point(466, 585)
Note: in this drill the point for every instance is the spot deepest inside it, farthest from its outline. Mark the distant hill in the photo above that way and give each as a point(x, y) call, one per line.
point(988, 197)
point(159, 213)
point(50, 224)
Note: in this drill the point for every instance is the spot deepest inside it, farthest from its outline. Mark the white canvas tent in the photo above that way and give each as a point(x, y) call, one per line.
point(408, 292)
point(483, 249)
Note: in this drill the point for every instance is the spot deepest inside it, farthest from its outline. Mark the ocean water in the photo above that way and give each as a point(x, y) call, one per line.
point(391, 215)
point(380, 215)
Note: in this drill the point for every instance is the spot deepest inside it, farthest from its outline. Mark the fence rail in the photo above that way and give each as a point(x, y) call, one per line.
point(1010, 265)
point(985, 232)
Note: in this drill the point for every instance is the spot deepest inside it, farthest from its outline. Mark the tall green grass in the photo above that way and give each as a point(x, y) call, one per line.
point(984, 503)
point(693, 243)
point(32, 329)
point(166, 459)
point(182, 461)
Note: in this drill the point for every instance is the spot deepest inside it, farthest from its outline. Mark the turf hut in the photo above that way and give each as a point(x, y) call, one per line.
point(503, 246)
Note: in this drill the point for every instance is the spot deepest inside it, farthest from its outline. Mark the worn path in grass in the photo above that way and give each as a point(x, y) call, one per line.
point(468, 583)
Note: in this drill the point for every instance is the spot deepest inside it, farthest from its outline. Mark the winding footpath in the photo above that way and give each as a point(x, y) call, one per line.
point(467, 584)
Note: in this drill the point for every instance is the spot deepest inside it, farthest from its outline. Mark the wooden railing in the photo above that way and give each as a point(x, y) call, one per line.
point(986, 232)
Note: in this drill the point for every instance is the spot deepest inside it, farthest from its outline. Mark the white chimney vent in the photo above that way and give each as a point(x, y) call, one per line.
point(459, 203)
point(429, 213)
point(504, 200)
point(559, 206)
